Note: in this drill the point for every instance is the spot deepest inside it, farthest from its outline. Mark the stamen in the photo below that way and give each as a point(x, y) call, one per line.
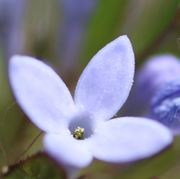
point(78, 133)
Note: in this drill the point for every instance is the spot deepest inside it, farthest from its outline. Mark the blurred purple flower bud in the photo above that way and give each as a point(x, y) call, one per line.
point(76, 15)
point(158, 82)
point(11, 18)
point(155, 73)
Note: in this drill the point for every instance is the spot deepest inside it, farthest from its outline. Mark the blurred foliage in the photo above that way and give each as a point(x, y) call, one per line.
point(143, 21)
point(38, 166)
point(160, 166)
point(40, 35)
point(153, 27)
point(146, 20)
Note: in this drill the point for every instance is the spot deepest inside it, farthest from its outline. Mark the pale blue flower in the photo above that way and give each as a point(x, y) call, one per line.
point(76, 131)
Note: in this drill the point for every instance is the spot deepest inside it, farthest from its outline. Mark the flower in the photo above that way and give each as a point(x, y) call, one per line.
point(161, 76)
point(76, 131)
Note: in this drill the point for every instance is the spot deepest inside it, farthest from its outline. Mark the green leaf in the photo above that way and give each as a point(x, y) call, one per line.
point(40, 166)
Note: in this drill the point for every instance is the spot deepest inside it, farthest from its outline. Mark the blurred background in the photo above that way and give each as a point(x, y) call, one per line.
point(66, 34)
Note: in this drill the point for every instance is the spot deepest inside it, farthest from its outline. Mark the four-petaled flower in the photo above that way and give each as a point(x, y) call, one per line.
point(76, 131)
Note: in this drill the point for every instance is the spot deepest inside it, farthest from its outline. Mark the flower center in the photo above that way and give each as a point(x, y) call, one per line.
point(78, 133)
point(81, 126)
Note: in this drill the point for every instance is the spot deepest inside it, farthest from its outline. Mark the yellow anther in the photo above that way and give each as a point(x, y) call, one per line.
point(78, 133)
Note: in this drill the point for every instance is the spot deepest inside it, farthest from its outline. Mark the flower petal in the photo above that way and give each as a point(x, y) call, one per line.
point(40, 92)
point(128, 139)
point(67, 150)
point(106, 81)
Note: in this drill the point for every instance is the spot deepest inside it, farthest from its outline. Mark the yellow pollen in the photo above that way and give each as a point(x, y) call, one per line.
point(78, 133)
